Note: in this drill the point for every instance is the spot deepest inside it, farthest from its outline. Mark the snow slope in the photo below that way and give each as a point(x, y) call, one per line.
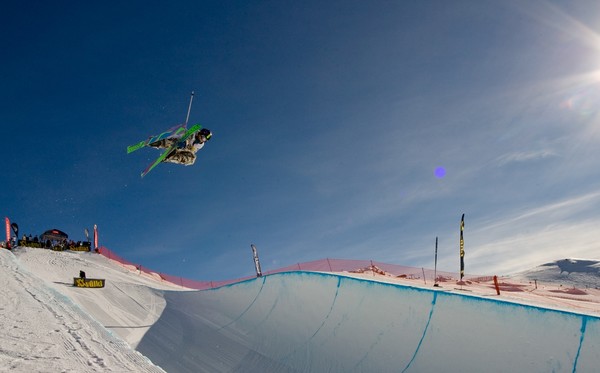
point(43, 330)
point(287, 322)
point(128, 305)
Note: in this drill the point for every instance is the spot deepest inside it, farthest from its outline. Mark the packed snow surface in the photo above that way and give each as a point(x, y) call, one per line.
point(43, 328)
point(291, 322)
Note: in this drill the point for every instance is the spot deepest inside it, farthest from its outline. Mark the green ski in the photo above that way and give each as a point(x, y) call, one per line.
point(169, 150)
point(168, 133)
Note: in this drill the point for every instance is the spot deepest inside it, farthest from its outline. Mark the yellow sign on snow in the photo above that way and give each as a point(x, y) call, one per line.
point(88, 282)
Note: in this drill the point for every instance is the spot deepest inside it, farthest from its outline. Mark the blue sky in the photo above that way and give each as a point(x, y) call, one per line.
point(342, 129)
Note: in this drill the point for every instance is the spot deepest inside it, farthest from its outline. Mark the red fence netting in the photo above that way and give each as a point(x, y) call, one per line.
point(322, 265)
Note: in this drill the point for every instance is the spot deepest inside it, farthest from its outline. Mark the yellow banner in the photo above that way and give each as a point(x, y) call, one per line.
point(88, 282)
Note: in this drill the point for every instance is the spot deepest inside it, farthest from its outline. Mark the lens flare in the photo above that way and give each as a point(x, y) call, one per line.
point(440, 172)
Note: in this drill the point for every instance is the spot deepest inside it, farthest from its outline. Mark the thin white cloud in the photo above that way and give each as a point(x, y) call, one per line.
point(531, 237)
point(558, 210)
point(524, 156)
point(526, 250)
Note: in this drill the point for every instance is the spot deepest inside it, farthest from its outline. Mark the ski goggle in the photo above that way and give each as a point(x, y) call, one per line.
point(204, 136)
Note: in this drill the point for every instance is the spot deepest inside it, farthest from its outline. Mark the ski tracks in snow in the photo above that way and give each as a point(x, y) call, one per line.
point(66, 339)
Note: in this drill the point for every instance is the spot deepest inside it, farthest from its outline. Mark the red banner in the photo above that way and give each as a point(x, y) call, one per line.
point(7, 233)
point(462, 247)
point(95, 237)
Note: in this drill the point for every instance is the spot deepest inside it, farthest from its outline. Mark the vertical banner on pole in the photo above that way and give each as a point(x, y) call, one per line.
point(7, 220)
point(462, 247)
point(256, 261)
point(95, 237)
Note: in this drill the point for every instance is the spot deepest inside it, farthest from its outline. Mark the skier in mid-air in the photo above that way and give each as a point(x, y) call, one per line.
point(180, 143)
point(185, 152)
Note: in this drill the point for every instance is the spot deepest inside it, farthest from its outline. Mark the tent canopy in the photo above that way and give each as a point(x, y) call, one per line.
point(54, 234)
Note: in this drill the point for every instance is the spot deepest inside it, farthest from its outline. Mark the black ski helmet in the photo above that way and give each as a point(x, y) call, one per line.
point(206, 133)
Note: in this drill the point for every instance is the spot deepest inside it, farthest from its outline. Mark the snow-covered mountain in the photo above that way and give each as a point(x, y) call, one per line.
point(288, 322)
point(578, 273)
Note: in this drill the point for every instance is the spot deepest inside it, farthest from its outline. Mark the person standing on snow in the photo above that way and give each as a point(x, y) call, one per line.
point(185, 153)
